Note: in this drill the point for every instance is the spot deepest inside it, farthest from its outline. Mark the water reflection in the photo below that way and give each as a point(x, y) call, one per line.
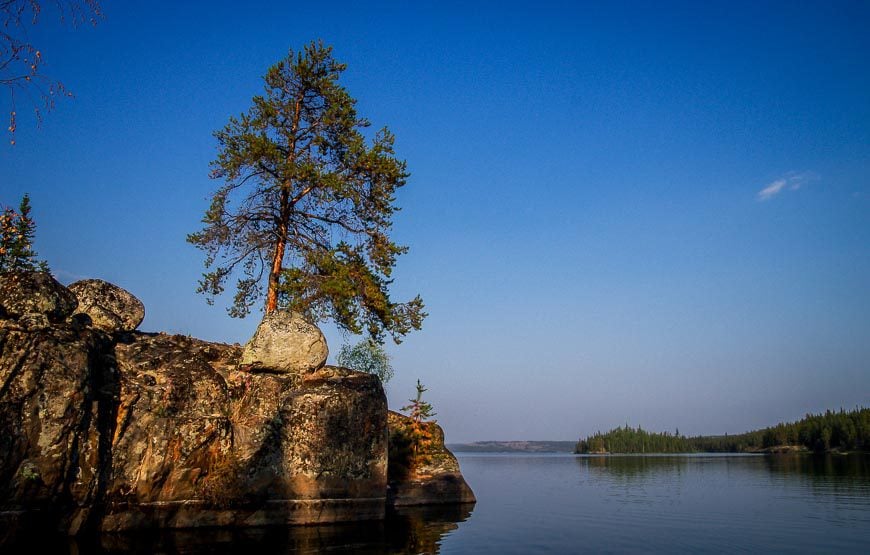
point(409, 530)
point(852, 469)
point(845, 478)
point(632, 467)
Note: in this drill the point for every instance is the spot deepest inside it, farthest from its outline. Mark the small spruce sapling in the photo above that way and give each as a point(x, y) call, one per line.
point(420, 412)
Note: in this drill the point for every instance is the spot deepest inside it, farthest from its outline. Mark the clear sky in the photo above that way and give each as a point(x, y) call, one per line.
point(644, 213)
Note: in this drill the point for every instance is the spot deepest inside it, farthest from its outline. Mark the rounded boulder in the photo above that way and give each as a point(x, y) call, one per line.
point(109, 307)
point(34, 293)
point(285, 343)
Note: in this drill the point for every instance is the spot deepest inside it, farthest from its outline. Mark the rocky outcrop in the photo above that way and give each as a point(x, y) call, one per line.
point(428, 476)
point(109, 307)
point(24, 293)
point(285, 343)
point(198, 443)
point(141, 430)
point(167, 433)
point(112, 432)
point(57, 392)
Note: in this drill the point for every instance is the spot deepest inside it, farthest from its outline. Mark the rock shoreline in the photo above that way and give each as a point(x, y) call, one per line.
point(118, 430)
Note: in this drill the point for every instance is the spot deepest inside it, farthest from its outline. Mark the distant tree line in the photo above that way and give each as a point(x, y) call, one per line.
point(842, 431)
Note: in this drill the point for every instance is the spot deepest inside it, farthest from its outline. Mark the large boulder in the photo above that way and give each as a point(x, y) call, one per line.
point(285, 343)
point(23, 293)
point(110, 308)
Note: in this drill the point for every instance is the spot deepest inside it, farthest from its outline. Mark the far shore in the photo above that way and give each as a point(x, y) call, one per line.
point(533, 446)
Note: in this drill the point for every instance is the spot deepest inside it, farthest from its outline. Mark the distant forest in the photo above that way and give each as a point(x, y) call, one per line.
point(514, 447)
point(837, 431)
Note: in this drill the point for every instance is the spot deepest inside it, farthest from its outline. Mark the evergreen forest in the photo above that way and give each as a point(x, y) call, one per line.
point(829, 431)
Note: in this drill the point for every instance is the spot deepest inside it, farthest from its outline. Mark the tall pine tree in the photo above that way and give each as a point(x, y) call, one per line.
point(307, 204)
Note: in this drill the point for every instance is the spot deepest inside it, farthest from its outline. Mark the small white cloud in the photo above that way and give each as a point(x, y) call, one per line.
point(772, 189)
point(791, 181)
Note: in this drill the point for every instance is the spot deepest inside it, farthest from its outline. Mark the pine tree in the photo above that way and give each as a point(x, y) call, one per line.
point(17, 231)
point(307, 205)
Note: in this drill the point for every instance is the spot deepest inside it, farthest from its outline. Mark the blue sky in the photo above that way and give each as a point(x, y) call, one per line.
point(653, 213)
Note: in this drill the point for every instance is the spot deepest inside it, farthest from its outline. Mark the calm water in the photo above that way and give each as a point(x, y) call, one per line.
point(569, 504)
point(564, 504)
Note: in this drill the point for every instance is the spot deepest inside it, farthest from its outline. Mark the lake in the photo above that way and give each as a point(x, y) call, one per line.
point(688, 503)
point(563, 503)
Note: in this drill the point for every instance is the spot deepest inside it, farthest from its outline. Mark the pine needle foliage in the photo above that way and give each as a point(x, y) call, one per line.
point(306, 207)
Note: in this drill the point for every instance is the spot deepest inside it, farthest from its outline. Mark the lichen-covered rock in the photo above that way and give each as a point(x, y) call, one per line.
point(431, 476)
point(57, 398)
point(34, 293)
point(110, 307)
point(164, 431)
point(285, 343)
point(130, 431)
point(199, 443)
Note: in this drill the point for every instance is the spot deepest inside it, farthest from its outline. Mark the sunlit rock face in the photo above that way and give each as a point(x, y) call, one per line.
point(285, 343)
point(109, 307)
point(431, 476)
point(99, 431)
point(199, 443)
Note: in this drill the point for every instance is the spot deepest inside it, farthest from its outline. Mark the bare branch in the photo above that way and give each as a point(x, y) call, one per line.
point(21, 61)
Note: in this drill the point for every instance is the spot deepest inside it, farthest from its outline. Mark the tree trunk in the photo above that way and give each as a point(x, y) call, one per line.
point(274, 273)
point(278, 257)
